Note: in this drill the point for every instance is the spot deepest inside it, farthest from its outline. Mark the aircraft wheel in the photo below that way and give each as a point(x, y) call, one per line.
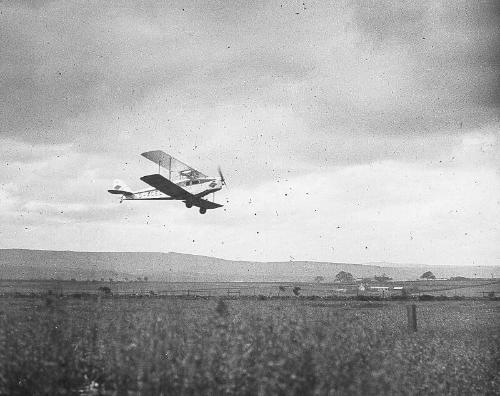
point(189, 205)
point(203, 210)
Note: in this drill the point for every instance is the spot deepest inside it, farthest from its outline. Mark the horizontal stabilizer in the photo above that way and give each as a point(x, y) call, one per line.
point(121, 188)
point(121, 192)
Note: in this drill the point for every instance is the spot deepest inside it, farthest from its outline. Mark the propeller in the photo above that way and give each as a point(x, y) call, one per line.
point(223, 181)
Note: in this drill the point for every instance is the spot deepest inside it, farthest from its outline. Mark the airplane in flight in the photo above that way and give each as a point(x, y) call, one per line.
point(183, 183)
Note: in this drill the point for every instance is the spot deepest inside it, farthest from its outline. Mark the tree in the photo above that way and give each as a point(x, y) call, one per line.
point(382, 278)
point(105, 290)
point(428, 275)
point(319, 279)
point(344, 277)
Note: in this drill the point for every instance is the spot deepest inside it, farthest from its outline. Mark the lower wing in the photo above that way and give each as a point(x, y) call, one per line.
point(203, 203)
point(167, 187)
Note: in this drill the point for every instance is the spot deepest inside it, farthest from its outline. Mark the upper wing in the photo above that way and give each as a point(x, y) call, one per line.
point(175, 167)
point(167, 187)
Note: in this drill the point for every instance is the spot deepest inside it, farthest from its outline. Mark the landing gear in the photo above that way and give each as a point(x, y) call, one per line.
point(189, 205)
point(203, 210)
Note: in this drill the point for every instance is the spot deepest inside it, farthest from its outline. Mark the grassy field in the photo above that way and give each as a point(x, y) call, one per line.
point(467, 288)
point(175, 346)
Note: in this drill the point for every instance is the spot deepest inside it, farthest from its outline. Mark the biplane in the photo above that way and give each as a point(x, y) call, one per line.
point(180, 183)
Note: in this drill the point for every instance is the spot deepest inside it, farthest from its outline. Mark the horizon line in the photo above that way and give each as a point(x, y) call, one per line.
point(369, 263)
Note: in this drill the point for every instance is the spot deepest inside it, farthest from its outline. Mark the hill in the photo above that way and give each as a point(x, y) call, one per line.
point(47, 264)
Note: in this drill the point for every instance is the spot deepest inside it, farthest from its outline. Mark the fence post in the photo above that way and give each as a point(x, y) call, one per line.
point(411, 311)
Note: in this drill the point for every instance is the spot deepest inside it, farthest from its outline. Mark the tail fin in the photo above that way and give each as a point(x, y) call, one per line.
point(120, 187)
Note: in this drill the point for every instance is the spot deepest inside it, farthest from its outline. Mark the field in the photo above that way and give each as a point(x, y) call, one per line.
point(246, 345)
point(467, 288)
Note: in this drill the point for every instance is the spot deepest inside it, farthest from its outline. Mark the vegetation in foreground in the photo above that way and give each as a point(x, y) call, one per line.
point(178, 346)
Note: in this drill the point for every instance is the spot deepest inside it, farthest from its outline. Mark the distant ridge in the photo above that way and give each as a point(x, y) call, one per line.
point(178, 267)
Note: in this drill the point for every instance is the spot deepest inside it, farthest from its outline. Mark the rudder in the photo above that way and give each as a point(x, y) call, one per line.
point(120, 187)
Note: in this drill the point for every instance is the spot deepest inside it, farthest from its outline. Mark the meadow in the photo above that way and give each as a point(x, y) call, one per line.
point(247, 346)
point(468, 288)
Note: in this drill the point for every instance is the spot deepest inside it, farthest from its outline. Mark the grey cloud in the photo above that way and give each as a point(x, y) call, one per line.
point(393, 20)
point(14, 152)
point(411, 22)
point(360, 81)
point(59, 68)
point(451, 47)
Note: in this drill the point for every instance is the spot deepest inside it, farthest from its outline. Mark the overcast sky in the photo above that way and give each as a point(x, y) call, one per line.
point(346, 132)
